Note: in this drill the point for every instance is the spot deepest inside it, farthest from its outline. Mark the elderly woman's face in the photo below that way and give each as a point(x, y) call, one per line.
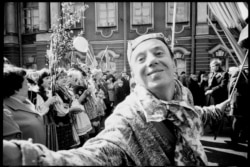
point(152, 65)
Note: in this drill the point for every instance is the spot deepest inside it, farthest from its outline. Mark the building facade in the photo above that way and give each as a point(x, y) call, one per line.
point(111, 25)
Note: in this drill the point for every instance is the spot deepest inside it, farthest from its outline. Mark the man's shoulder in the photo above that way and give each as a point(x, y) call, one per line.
point(222, 72)
point(128, 106)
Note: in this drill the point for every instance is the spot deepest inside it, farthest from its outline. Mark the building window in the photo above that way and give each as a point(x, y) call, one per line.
point(76, 7)
point(106, 14)
point(31, 17)
point(142, 13)
point(182, 12)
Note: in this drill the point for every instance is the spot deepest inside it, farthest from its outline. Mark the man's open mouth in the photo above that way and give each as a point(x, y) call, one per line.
point(155, 71)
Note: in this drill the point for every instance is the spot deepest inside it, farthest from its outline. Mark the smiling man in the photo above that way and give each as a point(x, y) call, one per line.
point(153, 68)
point(156, 125)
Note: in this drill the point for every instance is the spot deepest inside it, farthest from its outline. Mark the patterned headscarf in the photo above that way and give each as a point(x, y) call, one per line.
point(179, 111)
point(134, 43)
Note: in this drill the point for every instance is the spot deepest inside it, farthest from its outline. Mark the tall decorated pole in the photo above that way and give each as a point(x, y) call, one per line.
point(173, 27)
point(61, 43)
point(50, 56)
point(104, 54)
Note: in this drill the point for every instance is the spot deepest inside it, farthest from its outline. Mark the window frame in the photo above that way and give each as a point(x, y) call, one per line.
point(82, 22)
point(185, 13)
point(150, 16)
point(97, 14)
point(30, 9)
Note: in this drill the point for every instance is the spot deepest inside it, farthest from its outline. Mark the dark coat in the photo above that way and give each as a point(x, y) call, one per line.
point(30, 122)
point(203, 85)
point(195, 89)
point(126, 86)
point(120, 95)
point(240, 99)
point(11, 129)
point(218, 84)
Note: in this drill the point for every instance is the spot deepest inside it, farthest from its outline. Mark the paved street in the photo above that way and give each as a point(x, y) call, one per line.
point(221, 153)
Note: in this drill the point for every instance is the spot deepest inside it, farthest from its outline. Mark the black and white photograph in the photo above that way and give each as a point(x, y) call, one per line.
point(125, 84)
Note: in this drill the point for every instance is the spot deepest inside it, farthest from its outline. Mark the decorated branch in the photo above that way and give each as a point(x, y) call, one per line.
point(62, 36)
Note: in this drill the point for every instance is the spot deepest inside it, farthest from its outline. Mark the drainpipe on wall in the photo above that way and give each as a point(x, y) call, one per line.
point(193, 55)
point(125, 35)
point(19, 18)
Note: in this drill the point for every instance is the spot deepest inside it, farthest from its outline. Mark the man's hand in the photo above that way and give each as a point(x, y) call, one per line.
point(225, 105)
point(11, 154)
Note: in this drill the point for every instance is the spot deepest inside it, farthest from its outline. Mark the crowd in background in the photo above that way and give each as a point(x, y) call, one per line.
point(61, 111)
point(215, 87)
point(67, 113)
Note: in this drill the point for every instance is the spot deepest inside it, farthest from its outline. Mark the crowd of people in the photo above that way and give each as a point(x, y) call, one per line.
point(215, 87)
point(150, 119)
point(63, 114)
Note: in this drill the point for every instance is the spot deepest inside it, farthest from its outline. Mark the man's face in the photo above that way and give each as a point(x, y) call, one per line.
point(194, 77)
point(120, 83)
point(124, 75)
point(152, 65)
point(109, 80)
point(214, 67)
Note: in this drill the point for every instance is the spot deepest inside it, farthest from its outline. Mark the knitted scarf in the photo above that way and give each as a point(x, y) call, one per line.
point(187, 122)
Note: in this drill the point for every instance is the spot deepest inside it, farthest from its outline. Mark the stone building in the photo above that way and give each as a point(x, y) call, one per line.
point(27, 32)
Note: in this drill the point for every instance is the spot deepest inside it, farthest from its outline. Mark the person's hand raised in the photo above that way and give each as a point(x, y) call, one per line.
point(51, 101)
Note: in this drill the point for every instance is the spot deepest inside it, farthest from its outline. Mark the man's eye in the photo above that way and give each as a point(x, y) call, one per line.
point(140, 59)
point(159, 53)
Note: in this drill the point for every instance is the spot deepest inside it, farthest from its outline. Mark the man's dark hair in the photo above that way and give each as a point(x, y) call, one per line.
point(110, 76)
point(183, 72)
point(13, 78)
